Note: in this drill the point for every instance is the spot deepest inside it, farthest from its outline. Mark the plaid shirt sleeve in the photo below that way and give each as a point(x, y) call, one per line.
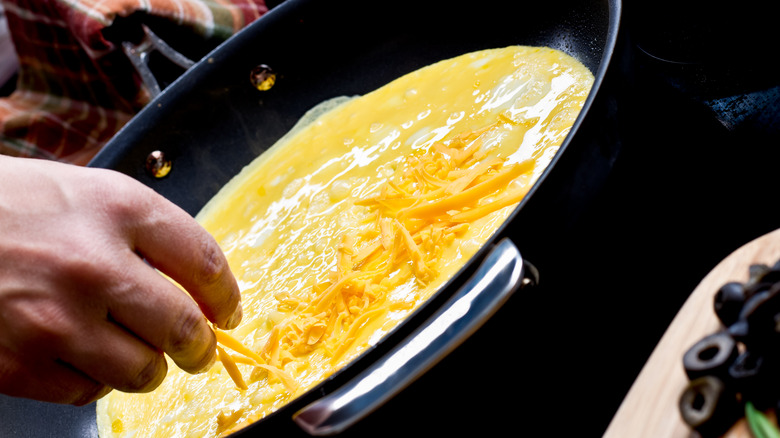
point(76, 88)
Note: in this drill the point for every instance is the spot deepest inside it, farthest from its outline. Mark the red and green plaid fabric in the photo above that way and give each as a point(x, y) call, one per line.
point(75, 87)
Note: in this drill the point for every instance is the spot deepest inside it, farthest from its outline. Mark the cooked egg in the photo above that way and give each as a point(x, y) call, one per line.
point(353, 219)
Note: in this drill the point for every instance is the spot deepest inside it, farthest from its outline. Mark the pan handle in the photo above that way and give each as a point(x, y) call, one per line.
point(496, 279)
point(139, 54)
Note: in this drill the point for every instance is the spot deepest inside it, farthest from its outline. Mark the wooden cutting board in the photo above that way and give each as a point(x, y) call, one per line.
point(650, 408)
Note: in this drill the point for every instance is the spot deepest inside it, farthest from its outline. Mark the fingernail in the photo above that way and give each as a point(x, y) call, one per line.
point(235, 318)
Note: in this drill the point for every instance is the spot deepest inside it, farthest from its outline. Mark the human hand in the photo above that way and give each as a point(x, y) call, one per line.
point(81, 312)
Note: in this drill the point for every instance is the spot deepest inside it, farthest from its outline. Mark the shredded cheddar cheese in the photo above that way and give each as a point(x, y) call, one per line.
point(354, 219)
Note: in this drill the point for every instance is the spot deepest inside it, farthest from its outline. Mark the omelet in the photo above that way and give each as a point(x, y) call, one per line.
point(355, 218)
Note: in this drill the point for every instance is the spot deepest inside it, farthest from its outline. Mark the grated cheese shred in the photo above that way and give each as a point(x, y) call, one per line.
point(431, 198)
point(352, 220)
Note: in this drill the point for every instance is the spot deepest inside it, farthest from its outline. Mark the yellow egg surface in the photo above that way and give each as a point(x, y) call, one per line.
point(349, 222)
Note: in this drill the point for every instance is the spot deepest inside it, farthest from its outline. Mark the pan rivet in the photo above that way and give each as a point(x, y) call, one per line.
point(262, 77)
point(157, 165)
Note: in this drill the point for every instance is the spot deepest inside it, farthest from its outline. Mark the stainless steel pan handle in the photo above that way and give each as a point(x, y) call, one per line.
point(139, 54)
point(496, 279)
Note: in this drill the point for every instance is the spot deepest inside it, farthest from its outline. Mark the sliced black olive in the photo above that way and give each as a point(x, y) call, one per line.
point(712, 355)
point(762, 278)
point(755, 283)
point(746, 367)
point(728, 302)
point(772, 276)
point(757, 270)
point(752, 289)
point(709, 407)
point(739, 330)
point(765, 274)
point(752, 303)
point(752, 375)
point(762, 314)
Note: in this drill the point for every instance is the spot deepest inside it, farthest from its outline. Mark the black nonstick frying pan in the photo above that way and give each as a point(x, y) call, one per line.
point(212, 121)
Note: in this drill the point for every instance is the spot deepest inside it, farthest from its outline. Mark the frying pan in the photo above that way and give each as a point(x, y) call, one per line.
point(212, 121)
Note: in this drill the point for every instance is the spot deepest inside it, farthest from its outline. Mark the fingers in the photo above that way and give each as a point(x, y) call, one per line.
point(114, 340)
point(47, 380)
point(76, 334)
point(80, 311)
point(115, 358)
point(177, 245)
point(155, 310)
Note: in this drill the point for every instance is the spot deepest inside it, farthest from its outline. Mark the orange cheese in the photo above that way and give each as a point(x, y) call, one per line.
point(354, 219)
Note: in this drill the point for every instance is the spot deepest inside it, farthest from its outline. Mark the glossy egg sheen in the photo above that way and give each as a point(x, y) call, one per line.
point(289, 219)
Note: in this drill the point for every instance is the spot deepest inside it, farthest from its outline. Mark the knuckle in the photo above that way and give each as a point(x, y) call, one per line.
point(213, 265)
point(85, 269)
point(192, 342)
point(45, 325)
point(215, 277)
point(185, 332)
point(149, 376)
point(121, 198)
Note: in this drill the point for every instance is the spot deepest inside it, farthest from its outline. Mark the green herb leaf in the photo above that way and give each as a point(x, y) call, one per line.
point(760, 425)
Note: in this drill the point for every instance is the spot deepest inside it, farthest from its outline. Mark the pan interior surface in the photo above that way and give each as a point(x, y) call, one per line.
point(212, 121)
